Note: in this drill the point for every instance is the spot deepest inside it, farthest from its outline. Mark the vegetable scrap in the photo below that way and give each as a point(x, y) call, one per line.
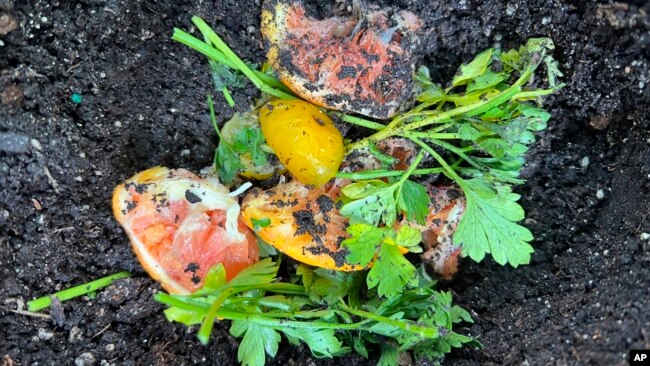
point(304, 139)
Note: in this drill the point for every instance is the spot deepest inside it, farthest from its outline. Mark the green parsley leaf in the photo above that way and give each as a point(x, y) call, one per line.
point(227, 162)
point(414, 200)
point(553, 69)
point(389, 356)
point(363, 243)
point(258, 224)
point(321, 342)
point(487, 80)
point(215, 278)
point(260, 273)
point(391, 272)
point(250, 140)
point(375, 207)
point(472, 70)
point(409, 237)
point(489, 225)
point(257, 341)
point(265, 249)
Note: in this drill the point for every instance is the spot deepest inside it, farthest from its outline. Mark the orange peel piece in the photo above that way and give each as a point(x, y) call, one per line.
point(304, 223)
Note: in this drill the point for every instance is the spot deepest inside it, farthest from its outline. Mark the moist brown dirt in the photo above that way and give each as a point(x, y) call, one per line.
point(583, 300)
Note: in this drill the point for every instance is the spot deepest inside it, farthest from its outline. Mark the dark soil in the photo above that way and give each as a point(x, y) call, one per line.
point(583, 300)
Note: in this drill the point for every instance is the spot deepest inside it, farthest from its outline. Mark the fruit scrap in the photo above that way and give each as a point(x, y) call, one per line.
point(304, 139)
point(447, 207)
point(358, 64)
point(303, 222)
point(180, 225)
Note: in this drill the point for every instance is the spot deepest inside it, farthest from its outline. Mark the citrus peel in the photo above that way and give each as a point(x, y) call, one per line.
point(180, 225)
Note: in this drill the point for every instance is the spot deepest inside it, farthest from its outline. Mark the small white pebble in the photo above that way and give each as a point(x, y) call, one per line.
point(584, 163)
point(645, 236)
point(140, 117)
point(546, 20)
point(36, 144)
point(117, 124)
point(102, 75)
point(98, 173)
point(110, 347)
point(185, 152)
point(44, 334)
point(627, 69)
point(600, 194)
point(82, 155)
point(79, 178)
point(172, 110)
point(44, 19)
point(606, 252)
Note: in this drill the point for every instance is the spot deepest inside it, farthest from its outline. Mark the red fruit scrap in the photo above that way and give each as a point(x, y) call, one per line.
point(361, 64)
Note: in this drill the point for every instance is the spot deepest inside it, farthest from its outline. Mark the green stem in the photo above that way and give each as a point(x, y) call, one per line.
point(448, 169)
point(184, 303)
point(535, 93)
point(227, 96)
point(208, 321)
point(381, 173)
point(411, 168)
point(239, 64)
point(67, 294)
point(361, 122)
point(213, 119)
point(426, 332)
point(271, 85)
point(469, 110)
point(456, 150)
point(435, 135)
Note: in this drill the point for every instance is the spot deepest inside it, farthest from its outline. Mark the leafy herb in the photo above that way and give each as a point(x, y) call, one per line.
point(483, 123)
point(247, 142)
point(262, 309)
point(258, 224)
point(375, 201)
point(390, 271)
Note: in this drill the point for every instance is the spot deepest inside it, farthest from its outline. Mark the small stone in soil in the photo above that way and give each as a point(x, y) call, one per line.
point(44, 334)
point(11, 142)
point(85, 359)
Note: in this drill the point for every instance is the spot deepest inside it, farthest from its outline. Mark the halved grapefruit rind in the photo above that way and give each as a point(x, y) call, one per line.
point(355, 65)
point(180, 225)
point(305, 224)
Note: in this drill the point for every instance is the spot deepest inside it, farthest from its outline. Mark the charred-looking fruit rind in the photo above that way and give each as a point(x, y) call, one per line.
point(304, 224)
point(355, 65)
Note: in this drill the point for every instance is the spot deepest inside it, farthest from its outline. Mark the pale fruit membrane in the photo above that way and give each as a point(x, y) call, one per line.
point(180, 225)
point(446, 209)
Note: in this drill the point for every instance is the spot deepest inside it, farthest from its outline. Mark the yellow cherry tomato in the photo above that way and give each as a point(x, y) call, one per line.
point(304, 139)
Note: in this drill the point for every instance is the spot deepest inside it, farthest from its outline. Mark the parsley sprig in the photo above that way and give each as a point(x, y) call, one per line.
point(261, 310)
point(483, 122)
